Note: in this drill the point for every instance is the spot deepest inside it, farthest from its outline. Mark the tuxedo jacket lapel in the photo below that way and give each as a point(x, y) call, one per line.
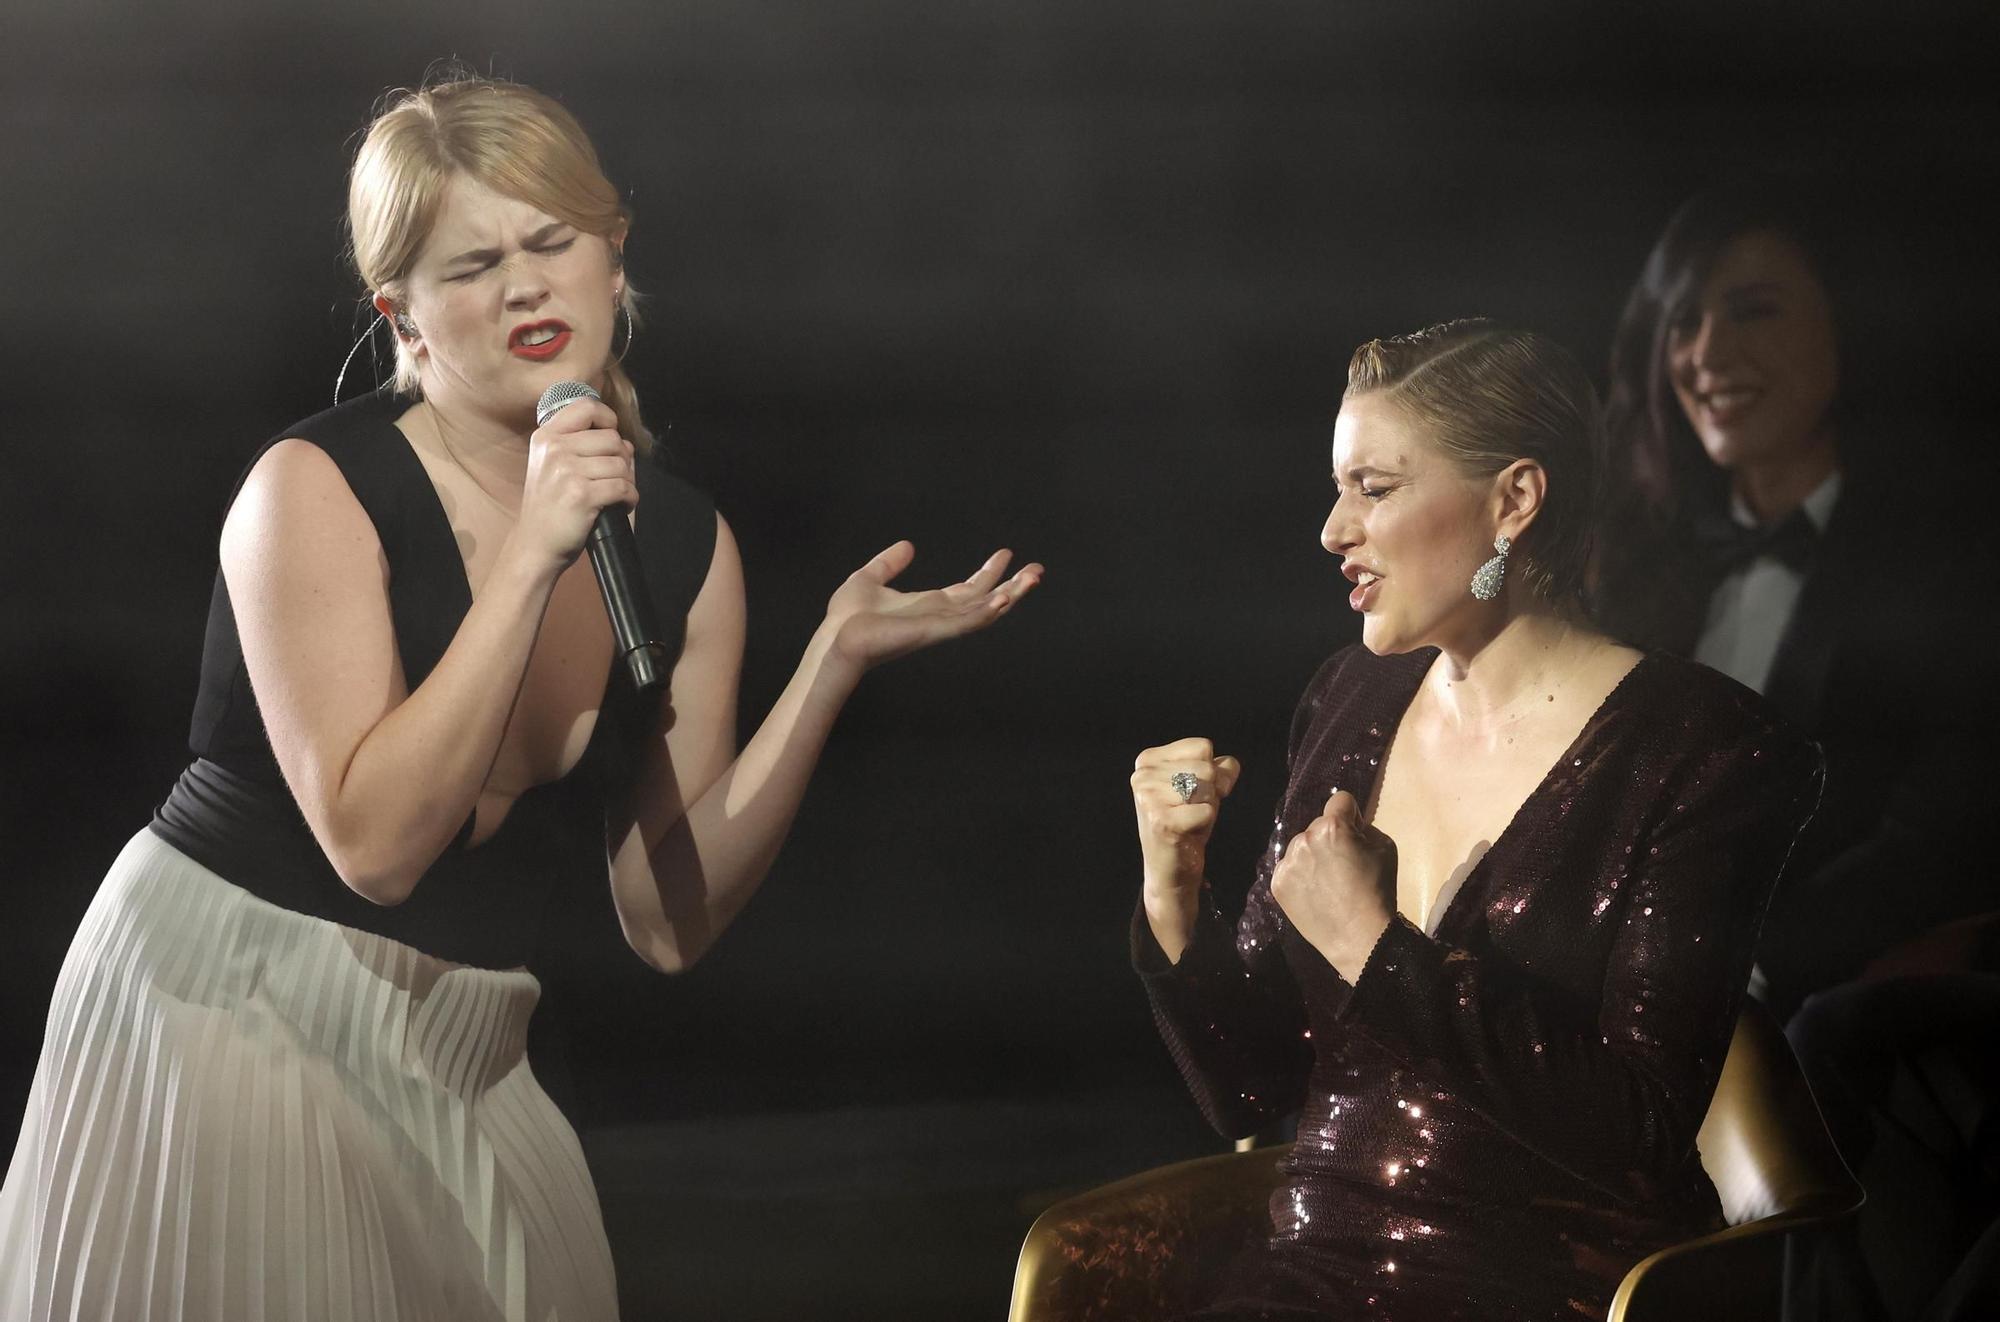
point(1832, 592)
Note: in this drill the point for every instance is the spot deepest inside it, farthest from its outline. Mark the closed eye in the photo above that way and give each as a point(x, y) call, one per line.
point(541, 249)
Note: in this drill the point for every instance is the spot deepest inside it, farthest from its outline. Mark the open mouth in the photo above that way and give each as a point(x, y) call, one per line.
point(1363, 595)
point(1724, 406)
point(541, 339)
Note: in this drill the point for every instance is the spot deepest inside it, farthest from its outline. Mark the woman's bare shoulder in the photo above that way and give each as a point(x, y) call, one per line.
point(295, 500)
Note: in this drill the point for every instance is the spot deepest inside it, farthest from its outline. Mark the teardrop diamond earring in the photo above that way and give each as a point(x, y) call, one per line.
point(1486, 580)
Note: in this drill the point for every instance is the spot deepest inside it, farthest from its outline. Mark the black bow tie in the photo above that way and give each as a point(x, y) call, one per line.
point(1727, 546)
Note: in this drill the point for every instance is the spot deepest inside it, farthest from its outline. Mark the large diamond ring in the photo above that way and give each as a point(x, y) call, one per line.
point(1184, 785)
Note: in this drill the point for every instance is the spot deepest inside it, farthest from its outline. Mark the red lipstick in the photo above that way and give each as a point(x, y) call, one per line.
point(547, 349)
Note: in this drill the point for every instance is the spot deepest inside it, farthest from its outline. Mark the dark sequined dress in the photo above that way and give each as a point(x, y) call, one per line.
point(1497, 1119)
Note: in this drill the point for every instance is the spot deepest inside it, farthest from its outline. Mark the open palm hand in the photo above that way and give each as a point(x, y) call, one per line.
point(870, 622)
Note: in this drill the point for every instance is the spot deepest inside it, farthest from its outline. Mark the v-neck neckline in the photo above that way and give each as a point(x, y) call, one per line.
point(445, 541)
point(1571, 759)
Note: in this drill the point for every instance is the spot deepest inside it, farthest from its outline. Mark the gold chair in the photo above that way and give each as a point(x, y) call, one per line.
point(1148, 1246)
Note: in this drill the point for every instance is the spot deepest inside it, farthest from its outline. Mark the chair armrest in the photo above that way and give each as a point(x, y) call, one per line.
point(1732, 1275)
point(1144, 1246)
point(1969, 944)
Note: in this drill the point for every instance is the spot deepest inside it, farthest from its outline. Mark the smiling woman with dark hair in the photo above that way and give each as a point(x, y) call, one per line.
point(1784, 514)
point(1769, 520)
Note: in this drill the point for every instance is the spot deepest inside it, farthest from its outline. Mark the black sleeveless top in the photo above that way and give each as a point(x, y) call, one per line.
point(232, 812)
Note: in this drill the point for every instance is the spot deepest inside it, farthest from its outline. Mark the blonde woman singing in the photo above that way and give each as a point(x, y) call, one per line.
point(283, 1074)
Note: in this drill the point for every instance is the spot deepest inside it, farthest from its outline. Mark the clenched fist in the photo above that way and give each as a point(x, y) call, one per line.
point(578, 464)
point(1176, 819)
point(1337, 884)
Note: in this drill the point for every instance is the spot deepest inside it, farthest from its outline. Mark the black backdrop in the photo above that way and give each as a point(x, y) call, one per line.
point(1075, 278)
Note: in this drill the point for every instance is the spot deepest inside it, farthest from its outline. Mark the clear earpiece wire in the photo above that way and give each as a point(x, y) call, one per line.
point(366, 335)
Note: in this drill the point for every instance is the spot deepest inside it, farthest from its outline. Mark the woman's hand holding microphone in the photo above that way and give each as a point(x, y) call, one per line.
point(578, 464)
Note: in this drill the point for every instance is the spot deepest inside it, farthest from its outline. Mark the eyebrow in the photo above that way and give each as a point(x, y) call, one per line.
point(1358, 474)
point(1690, 308)
point(492, 254)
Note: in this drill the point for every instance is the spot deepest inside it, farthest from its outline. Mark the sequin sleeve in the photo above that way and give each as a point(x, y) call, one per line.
point(1230, 1012)
point(1614, 1093)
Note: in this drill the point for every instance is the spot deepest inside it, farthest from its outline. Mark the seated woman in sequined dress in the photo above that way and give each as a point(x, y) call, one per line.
point(1494, 953)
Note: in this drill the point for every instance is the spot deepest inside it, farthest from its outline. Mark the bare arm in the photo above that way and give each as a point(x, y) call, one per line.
point(385, 776)
point(709, 824)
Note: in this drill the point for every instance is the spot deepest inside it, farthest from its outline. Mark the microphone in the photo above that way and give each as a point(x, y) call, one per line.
point(615, 556)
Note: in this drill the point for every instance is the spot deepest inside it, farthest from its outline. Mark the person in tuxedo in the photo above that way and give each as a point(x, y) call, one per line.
point(1779, 513)
point(1766, 521)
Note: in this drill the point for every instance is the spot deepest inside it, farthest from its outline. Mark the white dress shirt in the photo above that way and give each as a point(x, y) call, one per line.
point(1750, 609)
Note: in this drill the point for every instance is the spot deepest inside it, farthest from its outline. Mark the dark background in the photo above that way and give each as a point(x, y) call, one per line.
point(1077, 278)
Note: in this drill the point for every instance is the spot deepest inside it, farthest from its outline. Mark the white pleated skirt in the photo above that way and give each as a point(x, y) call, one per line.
point(242, 1113)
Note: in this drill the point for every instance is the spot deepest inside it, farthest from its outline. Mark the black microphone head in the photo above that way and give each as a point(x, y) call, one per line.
point(556, 396)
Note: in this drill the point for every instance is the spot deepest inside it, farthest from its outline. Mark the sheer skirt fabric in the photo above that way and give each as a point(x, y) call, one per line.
point(244, 1113)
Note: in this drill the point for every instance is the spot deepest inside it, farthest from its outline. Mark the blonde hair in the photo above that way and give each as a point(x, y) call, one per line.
point(1488, 395)
point(510, 138)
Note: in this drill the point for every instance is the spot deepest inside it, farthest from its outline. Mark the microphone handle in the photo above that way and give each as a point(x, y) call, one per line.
point(615, 556)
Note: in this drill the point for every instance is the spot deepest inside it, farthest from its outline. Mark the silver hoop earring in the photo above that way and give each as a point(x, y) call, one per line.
point(619, 305)
point(1486, 580)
